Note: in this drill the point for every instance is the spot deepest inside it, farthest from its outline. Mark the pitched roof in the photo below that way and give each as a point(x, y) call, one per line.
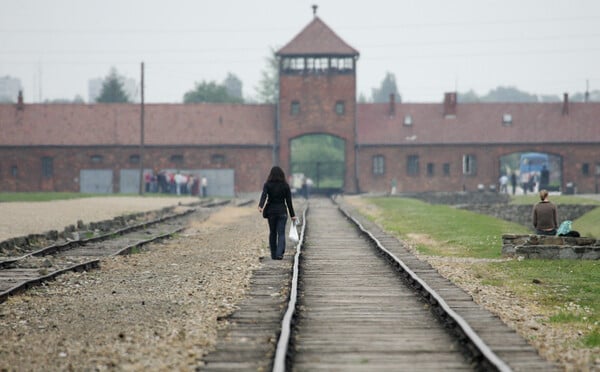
point(119, 124)
point(317, 39)
point(478, 123)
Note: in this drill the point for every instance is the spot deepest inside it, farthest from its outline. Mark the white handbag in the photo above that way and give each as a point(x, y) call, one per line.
point(293, 235)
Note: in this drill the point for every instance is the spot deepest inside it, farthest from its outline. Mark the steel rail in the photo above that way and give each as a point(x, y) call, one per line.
point(286, 323)
point(482, 347)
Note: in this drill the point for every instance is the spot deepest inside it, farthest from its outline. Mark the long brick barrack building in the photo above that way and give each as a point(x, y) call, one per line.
point(445, 146)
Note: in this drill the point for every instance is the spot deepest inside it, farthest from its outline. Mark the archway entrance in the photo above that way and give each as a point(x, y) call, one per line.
point(533, 171)
point(321, 160)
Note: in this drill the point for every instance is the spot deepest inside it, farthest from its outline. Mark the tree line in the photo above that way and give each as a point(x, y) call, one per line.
point(230, 90)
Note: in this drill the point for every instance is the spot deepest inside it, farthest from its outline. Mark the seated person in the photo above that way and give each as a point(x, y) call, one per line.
point(545, 220)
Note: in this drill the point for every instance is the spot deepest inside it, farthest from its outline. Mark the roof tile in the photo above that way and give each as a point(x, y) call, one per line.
point(317, 39)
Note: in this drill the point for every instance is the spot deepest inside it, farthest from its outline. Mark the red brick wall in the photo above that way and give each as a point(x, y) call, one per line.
point(251, 164)
point(318, 95)
point(488, 166)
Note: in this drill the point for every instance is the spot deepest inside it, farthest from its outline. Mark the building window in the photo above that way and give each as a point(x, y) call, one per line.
point(134, 159)
point(412, 165)
point(408, 120)
point(295, 108)
point(469, 165)
point(585, 169)
point(378, 165)
point(96, 159)
point(177, 159)
point(430, 169)
point(47, 167)
point(321, 63)
point(217, 159)
point(507, 119)
point(14, 171)
point(446, 169)
point(340, 108)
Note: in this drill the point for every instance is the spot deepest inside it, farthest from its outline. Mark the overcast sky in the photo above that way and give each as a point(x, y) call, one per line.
point(432, 46)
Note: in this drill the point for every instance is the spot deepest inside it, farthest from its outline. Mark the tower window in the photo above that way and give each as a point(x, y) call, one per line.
point(295, 108)
point(340, 108)
point(507, 119)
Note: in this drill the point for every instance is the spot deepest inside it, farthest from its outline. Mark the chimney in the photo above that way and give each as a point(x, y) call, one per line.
point(20, 104)
point(392, 104)
point(565, 106)
point(450, 104)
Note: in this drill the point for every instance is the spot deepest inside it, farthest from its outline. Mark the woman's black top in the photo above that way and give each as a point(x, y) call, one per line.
point(278, 195)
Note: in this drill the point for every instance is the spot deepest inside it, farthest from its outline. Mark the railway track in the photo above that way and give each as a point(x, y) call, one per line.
point(356, 299)
point(20, 272)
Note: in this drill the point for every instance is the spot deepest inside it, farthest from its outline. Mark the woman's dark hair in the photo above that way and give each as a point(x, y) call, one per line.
point(276, 175)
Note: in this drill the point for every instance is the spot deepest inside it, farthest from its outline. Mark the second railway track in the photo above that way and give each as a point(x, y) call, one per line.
point(21, 272)
point(355, 311)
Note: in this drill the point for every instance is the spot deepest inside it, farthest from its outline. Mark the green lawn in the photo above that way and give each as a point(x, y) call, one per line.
point(569, 290)
point(468, 234)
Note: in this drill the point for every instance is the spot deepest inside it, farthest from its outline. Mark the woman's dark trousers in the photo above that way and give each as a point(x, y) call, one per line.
point(277, 236)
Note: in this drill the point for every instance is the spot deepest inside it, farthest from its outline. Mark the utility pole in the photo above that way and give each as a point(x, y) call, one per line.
point(142, 180)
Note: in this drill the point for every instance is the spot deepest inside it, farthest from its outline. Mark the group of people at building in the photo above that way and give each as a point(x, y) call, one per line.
point(531, 183)
point(178, 183)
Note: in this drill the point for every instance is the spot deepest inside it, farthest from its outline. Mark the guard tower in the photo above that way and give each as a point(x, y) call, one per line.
point(317, 96)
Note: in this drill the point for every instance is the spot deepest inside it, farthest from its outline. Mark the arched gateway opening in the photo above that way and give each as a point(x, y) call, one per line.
point(320, 158)
point(533, 171)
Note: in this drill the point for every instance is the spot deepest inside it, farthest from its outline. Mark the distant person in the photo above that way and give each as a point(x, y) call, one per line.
point(277, 196)
point(179, 180)
point(148, 181)
point(204, 185)
point(544, 177)
point(545, 219)
point(309, 185)
point(513, 182)
point(503, 183)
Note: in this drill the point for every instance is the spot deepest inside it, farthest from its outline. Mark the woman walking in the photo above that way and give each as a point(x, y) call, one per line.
point(277, 195)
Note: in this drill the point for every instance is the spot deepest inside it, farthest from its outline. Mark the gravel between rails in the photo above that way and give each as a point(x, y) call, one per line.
point(156, 310)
